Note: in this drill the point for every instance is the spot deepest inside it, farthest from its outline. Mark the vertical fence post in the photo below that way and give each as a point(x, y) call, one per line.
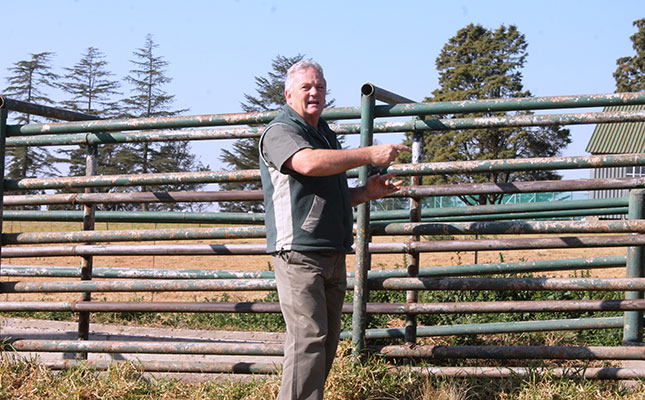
point(3, 138)
point(633, 330)
point(91, 167)
point(362, 264)
point(412, 296)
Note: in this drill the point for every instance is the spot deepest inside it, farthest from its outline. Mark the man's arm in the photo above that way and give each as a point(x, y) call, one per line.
point(325, 162)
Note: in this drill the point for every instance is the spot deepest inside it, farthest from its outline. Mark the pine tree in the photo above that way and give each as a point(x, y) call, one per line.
point(630, 73)
point(244, 155)
point(29, 81)
point(148, 99)
point(91, 89)
point(477, 64)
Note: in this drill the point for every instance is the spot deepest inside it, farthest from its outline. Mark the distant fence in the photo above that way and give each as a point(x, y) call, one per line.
point(494, 227)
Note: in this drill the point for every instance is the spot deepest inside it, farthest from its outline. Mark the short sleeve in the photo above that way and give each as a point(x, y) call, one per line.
point(279, 143)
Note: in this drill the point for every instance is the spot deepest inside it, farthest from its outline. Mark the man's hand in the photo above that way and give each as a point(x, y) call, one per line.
point(383, 154)
point(377, 186)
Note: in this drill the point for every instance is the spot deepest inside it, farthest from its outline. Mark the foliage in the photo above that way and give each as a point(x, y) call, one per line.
point(372, 379)
point(28, 82)
point(477, 64)
point(630, 73)
point(148, 99)
point(90, 89)
point(244, 155)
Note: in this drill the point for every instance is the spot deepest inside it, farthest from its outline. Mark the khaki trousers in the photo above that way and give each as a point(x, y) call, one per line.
point(311, 288)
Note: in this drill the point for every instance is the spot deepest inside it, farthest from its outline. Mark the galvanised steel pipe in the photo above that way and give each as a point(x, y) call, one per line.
point(173, 366)
point(139, 286)
point(521, 187)
point(43, 111)
point(140, 197)
point(109, 346)
point(515, 352)
point(529, 103)
point(509, 244)
point(135, 250)
point(507, 227)
point(132, 180)
point(139, 216)
point(497, 328)
point(513, 284)
point(134, 235)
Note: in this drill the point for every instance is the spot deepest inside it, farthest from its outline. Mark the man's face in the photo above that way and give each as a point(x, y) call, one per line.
point(307, 94)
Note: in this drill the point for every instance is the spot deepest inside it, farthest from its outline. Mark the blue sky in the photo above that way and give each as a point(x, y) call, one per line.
point(216, 48)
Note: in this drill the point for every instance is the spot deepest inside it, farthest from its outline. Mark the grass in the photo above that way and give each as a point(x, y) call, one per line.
point(370, 380)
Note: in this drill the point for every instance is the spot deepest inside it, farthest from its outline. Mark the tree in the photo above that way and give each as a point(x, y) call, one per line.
point(475, 64)
point(148, 99)
point(244, 155)
point(91, 89)
point(630, 73)
point(29, 81)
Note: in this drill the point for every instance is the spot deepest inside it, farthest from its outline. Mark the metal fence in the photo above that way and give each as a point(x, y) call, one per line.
point(476, 228)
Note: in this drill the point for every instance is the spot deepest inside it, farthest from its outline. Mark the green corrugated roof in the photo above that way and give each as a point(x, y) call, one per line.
point(618, 138)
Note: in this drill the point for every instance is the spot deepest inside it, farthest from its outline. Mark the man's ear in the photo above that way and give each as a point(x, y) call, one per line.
point(287, 95)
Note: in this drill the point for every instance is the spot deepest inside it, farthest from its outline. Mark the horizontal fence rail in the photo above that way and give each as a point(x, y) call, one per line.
point(570, 224)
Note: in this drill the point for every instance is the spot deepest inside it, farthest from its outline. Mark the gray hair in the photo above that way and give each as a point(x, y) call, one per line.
point(301, 66)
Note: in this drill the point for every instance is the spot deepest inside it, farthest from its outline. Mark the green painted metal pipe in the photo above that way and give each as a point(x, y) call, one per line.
point(513, 284)
point(633, 332)
point(139, 286)
point(508, 227)
point(506, 268)
point(514, 372)
point(504, 208)
point(131, 273)
point(557, 215)
point(134, 235)
point(132, 180)
point(436, 271)
point(205, 367)
point(534, 103)
point(139, 216)
point(362, 257)
point(133, 137)
point(138, 197)
point(43, 111)
point(520, 164)
point(109, 346)
point(515, 352)
point(498, 328)
point(399, 169)
point(135, 250)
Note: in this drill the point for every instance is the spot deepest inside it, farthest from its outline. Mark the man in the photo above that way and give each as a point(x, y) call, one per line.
point(309, 224)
